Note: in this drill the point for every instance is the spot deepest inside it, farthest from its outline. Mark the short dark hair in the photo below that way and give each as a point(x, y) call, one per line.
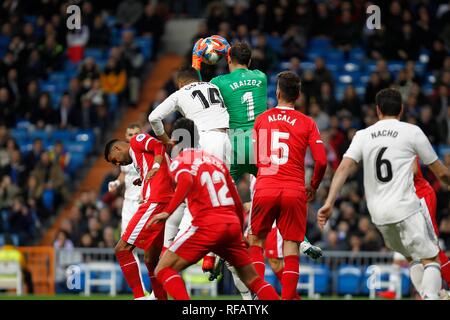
point(187, 73)
point(289, 84)
point(241, 53)
point(389, 101)
point(189, 125)
point(108, 148)
point(133, 126)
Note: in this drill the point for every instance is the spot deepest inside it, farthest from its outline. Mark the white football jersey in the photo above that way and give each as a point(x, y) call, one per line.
point(388, 150)
point(201, 102)
point(132, 192)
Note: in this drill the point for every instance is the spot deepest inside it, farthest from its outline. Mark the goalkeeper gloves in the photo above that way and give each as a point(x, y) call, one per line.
point(197, 54)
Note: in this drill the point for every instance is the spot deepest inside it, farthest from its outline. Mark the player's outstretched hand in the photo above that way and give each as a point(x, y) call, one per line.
point(323, 215)
point(197, 54)
point(113, 185)
point(158, 218)
point(310, 193)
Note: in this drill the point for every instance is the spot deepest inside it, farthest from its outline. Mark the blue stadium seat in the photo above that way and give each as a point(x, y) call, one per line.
point(48, 199)
point(77, 147)
point(349, 280)
point(307, 65)
point(406, 282)
point(146, 44)
point(75, 162)
point(113, 101)
point(57, 77)
point(371, 66)
point(351, 67)
point(315, 53)
point(38, 134)
point(95, 53)
point(19, 134)
point(4, 41)
point(395, 66)
point(357, 55)
point(334, 55)
point(320, 43)
point(63, 135)
point(333, 67)
point(276, 43)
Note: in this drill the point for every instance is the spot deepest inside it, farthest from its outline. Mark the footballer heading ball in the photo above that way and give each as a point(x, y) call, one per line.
point(216, 48)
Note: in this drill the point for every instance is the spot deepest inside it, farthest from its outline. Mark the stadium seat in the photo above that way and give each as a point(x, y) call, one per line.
point(351, 67)
point(349, 280)
point(62, 135)
point(48, 199)
point(76, 161)
point(357, 55)
point(97, 54)
point(38, 134)
point(275, 43)
point(322, 43)
point(334, 55)
point(395, 66)
point(4, 41)
point(322, 276)
point(307, 65)
point(146, 44)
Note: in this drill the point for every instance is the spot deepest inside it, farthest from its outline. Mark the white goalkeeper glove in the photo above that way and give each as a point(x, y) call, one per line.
point(113, 185)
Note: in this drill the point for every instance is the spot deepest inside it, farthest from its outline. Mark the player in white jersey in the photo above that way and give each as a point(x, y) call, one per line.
point(201, 102)
point(388, 150)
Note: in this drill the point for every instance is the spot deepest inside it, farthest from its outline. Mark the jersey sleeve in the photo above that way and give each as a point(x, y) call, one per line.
point(164, 109)
point(355, 150)
point(319, 155)
point(423, 148)
point(146, 143)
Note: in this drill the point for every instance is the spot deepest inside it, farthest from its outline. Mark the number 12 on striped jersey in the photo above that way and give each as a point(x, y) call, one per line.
point(247, 98)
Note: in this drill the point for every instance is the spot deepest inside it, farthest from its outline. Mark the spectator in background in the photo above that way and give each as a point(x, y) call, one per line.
point(33, 156)
point(260, 19)
point(66, 116)
point(43, 114)
point(350, 102)
point(346, 32)
point(21, 221)
point(437, 55)
point(326, 99)
point(33, 194)
point(263, 57)
point(129, 12)
point(108, 238)
point(6, 110)
point(88, 73)
point(99, 36)
point(51, 53)
point(320, 118)
point(62, 241)
point(134, 60)
point(321, 73)
point(51, 177)
point(29, 100)
point(408, 47)
point(60, 156)
point(8, 192)
point(323, 21)
point(293, 43)
point(216, 14)
point(373, 86)
point(152, 25)
point(429, 125)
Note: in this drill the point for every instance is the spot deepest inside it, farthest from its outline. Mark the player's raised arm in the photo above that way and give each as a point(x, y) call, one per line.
point(320, 159)
point(168, 106)
point(348, 165)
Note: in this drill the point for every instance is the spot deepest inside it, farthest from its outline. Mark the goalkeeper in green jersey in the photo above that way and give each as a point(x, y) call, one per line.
point(244, 92)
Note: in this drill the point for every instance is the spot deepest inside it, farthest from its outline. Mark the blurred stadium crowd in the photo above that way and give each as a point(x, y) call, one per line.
point(60, 91)
point(342, 64)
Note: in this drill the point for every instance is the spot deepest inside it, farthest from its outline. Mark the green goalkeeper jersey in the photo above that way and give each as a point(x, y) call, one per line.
point(245, 95)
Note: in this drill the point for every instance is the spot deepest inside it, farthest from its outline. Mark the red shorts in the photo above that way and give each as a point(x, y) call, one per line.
point(430, 202)
point(285, 206)
point(224, 239)
point(136, 232)
point(274, 244)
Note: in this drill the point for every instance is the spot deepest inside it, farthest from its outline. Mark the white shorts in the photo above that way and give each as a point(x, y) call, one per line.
point(173, 225)
point(217, 143)
point(129, 208)
point(413, 237)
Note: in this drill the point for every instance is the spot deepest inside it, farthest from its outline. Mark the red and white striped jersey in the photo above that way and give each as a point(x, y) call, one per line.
point(143, 149)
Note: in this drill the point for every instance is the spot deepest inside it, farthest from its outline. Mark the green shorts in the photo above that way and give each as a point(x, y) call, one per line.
point(242, 160)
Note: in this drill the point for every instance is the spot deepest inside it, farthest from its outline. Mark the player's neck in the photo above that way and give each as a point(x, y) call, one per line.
point(237, 66)
point(388, 118)
point(285, 105)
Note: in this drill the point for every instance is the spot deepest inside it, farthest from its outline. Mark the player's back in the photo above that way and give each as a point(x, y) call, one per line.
point(388, 150)
point(202, 102)
point(209, 200)
point(245, 95)
point(282, 137)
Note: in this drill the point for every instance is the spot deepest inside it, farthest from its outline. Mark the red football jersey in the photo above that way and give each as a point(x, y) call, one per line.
point(422, 186)
point(209, 200)
point(282, 136)
point(143, 149)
